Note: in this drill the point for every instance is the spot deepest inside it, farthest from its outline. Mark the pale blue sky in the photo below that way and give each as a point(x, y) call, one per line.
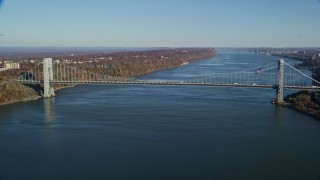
point(160, 23)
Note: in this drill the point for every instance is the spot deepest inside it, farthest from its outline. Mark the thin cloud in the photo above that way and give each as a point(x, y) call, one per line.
point(1, 35)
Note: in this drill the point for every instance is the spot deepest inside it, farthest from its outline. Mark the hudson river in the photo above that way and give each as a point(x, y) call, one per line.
point(148, 132)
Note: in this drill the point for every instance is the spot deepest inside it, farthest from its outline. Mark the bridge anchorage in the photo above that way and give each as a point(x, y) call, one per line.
point(278, 75)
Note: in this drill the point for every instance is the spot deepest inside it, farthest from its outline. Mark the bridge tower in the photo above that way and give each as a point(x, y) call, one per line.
point(47, 77)
point(279, 90)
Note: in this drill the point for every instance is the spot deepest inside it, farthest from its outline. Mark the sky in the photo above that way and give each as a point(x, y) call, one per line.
point(160, 23)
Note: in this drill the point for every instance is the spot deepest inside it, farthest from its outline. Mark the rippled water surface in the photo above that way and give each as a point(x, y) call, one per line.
point(137, 132)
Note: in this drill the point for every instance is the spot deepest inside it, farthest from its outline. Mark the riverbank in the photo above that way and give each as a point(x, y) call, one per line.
point(131, 64)
point(13, 92)
point(33, 98)
point(304, 101)
point(118, 64)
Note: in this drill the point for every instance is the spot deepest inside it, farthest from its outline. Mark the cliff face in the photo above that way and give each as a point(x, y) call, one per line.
point(12, 91)
point(305, 101)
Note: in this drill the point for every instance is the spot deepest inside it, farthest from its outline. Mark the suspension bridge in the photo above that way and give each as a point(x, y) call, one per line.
point(278, 75)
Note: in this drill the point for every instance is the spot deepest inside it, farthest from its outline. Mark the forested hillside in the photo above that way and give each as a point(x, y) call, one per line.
point(11, 91)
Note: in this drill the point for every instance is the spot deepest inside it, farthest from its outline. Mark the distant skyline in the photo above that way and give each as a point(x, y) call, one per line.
point(160, 23)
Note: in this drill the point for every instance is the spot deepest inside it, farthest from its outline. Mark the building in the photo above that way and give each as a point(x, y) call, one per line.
point(11, 65)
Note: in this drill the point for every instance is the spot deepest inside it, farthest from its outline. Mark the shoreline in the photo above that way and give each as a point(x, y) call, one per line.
point(306, 102)
point(33, 98)
point(137, 75)
point(304, 111)
point(172, 64)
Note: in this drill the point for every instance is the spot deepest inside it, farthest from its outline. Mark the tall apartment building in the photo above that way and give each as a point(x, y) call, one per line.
point(11, 65)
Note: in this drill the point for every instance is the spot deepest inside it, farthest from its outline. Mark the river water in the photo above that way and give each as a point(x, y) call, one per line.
point(136, 132)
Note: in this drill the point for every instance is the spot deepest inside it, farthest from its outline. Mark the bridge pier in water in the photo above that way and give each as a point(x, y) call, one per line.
point(279, 90)
point(48, 91)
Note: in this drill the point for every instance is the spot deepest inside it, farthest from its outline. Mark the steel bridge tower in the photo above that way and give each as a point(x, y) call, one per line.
point(279, 90)
point(48, 91)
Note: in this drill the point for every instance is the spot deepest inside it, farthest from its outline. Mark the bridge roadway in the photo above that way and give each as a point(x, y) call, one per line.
point(173, 83)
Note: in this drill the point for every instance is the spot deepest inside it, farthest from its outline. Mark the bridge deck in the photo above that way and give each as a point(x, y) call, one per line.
point(173, 83)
